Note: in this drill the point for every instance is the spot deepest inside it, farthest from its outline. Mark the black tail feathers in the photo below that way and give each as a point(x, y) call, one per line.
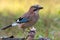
point(6, 27)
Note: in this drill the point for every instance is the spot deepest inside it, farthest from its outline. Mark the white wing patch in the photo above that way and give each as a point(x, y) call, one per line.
point(17, 20)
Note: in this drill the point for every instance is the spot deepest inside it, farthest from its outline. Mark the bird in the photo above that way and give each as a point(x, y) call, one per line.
point(28, 19)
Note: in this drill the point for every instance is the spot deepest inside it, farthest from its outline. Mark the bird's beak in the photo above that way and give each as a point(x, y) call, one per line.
point(37, 7)
point(40, 7)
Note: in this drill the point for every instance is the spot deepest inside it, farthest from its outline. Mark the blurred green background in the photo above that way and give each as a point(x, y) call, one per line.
point(48, 24)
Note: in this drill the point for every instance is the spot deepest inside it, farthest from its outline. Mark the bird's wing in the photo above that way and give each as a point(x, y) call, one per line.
point(22, 20)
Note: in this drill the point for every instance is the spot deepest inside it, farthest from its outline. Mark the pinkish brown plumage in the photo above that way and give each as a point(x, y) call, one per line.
point(28, 19)
point(32, 15)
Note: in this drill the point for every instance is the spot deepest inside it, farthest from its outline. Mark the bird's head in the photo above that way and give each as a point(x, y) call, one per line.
point(35, 8)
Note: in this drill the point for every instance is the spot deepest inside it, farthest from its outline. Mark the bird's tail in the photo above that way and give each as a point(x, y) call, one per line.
point(14, 24)
point(6, 27)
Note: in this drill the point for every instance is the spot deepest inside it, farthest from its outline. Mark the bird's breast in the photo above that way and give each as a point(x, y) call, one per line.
point(34, 18)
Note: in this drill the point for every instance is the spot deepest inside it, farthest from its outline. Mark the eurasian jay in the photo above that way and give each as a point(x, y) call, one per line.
point(28, 19)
